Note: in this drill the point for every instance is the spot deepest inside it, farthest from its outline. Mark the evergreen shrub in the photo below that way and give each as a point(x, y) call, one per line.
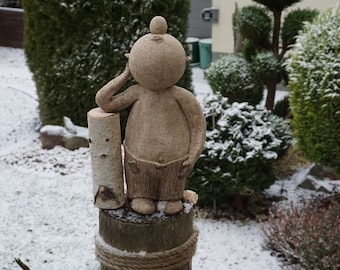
point(282, 107)
point(242, 144)
point(314, 80)
point(75, 47)
point(232, 77)
point(265, 65)
point(293, 23)
point(254, 24)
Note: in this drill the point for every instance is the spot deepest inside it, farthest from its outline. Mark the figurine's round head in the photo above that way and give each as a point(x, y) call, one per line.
point(157, 60)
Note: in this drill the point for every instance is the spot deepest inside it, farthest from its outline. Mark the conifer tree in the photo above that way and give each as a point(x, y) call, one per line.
point(74, 47)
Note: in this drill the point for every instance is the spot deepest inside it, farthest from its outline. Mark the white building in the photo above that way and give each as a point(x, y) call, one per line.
point(222, 32)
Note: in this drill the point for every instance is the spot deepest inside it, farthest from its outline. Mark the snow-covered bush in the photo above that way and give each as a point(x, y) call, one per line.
point(74, 47)
point(266, 66)
point(242, 144)
point(314, 80)
point(232, 77)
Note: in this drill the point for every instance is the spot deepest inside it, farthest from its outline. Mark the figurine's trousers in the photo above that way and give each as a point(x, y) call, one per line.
point(152, 180)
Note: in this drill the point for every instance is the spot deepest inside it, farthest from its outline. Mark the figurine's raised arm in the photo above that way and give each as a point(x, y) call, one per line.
point(106, 98)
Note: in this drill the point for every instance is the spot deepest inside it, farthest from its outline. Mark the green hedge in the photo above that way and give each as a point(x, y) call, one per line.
point(74, 47)
point(315, 83)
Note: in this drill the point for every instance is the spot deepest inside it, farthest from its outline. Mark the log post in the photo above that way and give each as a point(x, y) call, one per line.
point(127, 240)
point(106, 159)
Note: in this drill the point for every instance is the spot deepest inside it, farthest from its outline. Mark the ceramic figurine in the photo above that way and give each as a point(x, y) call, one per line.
point(165, 130)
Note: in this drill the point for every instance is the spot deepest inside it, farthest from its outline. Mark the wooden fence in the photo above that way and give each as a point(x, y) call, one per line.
point(11, 27)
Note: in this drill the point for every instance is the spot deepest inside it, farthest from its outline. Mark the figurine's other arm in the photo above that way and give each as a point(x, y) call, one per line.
point(197, 124)
point(106, 99)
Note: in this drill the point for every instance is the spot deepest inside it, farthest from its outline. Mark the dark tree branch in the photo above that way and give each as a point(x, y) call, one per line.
point(21, 264)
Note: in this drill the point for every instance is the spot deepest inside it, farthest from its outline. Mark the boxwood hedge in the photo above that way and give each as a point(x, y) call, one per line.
point(314, 80)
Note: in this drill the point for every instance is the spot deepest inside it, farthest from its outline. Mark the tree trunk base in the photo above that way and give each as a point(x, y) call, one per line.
point(187, 266)
point(127, 240)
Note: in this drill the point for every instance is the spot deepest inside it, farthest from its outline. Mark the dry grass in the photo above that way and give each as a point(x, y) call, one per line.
point(287, 165)
point(308, 237)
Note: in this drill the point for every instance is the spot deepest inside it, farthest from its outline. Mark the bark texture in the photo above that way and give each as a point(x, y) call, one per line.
point(150, 242)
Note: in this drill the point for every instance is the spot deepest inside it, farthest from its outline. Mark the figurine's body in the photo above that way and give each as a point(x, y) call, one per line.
point(160, 112)
point(165, 132)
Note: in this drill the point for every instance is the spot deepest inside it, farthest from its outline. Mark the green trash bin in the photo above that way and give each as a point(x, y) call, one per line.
point(194, 50)
point(205, 52)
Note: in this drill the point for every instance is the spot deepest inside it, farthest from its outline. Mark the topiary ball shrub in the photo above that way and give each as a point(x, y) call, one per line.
point(314, 80)
point(232, 77)
point(293, 23)
point(266, 66)
point(254, 23)
point(242, 144)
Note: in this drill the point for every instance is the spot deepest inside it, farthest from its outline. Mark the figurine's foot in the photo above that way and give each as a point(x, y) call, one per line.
point(143, 206)
point(173, 207)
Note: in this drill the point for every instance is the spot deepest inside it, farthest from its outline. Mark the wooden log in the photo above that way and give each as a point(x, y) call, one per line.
point(106, 159)
point(147, 242)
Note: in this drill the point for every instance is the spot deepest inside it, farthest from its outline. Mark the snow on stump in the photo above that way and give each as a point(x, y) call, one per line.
point(127, 240)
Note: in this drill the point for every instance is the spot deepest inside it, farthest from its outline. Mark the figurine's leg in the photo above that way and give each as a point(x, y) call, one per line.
point(172, 187)
point(143, 206)
point(142, 187)
point(173, 207)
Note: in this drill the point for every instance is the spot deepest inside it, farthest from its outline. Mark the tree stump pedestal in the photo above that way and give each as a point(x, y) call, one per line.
point(127, 240)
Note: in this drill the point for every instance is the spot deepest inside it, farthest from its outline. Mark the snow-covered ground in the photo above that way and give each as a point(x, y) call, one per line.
point(47, 217)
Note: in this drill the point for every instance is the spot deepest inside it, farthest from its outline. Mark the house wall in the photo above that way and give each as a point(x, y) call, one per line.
point(197, 27)
point(222, 33)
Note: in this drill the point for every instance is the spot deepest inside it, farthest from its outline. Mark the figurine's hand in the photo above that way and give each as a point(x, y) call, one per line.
point(187, 166)
point(126, 71)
